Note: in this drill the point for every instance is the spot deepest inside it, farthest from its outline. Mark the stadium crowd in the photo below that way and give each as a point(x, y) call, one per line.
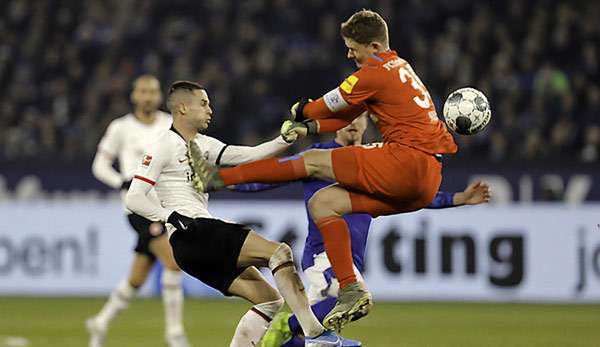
point(66, 66)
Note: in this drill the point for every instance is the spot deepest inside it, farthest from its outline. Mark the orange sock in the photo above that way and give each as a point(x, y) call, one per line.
point(272, 170)
point(336, 238)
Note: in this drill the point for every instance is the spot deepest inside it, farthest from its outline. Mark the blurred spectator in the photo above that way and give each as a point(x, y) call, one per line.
point(66, 66)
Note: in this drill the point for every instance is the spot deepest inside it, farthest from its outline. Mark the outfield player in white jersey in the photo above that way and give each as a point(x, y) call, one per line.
point(221, 254)
point(125, 140)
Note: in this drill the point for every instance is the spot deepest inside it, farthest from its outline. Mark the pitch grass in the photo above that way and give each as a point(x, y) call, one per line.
point(57, 322)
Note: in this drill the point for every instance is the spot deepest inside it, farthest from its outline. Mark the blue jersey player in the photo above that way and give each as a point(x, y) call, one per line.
point(323, 287)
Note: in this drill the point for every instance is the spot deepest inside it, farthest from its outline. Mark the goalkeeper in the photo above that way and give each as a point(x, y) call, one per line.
point(323, 286)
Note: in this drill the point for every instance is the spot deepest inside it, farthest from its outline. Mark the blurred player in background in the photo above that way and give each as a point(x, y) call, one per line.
point(221, 254)
point(125, 140)
point(400, 175)
point(323, 285)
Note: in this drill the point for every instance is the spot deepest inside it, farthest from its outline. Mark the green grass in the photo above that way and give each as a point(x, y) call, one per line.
point(51, 322)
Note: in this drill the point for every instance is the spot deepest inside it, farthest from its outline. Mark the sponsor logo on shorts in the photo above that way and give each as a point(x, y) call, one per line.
point(183, 226)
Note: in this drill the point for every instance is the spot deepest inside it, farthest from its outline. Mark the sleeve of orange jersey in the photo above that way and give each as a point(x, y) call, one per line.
point(340, 106)
point(331, 121)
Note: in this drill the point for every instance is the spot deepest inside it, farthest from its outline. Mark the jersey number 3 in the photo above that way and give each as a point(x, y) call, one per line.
point(406, 73)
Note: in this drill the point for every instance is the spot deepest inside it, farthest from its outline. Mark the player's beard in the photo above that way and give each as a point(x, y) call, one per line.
point(203, 125)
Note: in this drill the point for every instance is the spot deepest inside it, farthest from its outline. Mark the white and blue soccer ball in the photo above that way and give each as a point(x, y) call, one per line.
point(467, 111)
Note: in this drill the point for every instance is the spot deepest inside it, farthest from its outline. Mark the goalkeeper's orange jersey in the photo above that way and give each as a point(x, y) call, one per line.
point(397, 100)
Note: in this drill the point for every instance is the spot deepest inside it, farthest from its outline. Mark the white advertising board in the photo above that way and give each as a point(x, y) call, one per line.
point(487, 253)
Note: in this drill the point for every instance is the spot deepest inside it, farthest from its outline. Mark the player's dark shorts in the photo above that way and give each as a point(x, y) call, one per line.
point(146, 230)
point(209, 250)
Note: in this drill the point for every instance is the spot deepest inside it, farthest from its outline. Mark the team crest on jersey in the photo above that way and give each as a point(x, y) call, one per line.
point(349, 84)
point(147, 160)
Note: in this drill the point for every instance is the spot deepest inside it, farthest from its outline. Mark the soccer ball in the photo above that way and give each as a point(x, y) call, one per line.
point(467, 111)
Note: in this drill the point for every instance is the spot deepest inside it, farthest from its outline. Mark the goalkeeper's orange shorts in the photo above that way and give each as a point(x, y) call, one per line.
point(387, 178)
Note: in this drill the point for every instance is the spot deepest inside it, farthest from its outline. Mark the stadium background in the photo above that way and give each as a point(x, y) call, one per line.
point(65, 73)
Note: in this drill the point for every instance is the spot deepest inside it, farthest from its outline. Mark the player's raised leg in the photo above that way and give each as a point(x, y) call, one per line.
point(314, 163)
point(97, 326)
point(353, 299)
point(172, 292)
point(252, 286)
point(326, 208)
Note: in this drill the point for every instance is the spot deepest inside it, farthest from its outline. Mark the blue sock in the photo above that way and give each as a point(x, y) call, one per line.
point(295, 341)
point(320, 309)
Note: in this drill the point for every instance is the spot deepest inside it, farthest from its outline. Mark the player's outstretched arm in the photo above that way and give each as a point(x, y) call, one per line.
point(476, 193)
point(236, 155)
point(319, 119)
point(340, 106)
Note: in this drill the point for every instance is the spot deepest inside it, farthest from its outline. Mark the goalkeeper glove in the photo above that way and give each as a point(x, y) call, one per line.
point(290, 131)
point(297, 110)
point(179, 221)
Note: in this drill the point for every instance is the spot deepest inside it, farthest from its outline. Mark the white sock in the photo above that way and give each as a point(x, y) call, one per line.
point(172, 295)
point(254, 323)
point(117, 302)
point(291, 288)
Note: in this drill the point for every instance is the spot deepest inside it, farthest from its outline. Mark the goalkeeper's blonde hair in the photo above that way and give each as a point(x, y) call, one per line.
point(365, 27)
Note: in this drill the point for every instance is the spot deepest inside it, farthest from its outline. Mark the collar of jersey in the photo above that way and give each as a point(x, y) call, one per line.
point(177, 132)
point(381, 58)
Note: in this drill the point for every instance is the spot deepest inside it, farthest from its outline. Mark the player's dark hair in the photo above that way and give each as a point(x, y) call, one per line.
point(364, 27)
point(178, 86)
point(186, 85)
